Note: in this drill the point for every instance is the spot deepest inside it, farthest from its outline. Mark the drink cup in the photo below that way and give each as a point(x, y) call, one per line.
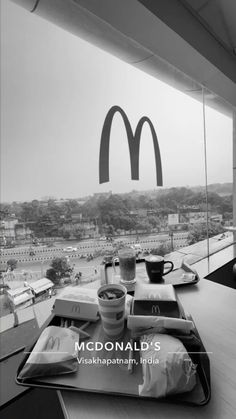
point(127, 262)
point(155, 267)
point(111, 300)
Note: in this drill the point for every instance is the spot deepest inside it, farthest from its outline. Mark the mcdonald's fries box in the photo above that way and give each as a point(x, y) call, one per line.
point(77, 303)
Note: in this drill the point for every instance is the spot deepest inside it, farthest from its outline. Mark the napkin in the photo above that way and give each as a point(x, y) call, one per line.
point(136, 323)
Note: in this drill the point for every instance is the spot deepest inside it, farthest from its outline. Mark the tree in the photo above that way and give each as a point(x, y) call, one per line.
point(154, 221)
point(8, 305)
point(65, 234)
point(11, 264)
point(61, 266)
point(109, 230)
point(78, 232)
point(51, 274)
point(143, 225)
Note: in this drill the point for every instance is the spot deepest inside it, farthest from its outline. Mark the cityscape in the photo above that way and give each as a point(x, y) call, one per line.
point(51, 243)
point(107, 214)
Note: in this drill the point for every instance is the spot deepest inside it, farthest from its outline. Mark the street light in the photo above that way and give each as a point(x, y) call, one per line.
point(171, 235)
point(42, 274)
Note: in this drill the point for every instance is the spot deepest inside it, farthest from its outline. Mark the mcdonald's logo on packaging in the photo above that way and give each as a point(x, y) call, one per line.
point(77, 303)
point(155, 309)
point(134, 146)
point(75, 308)
point(53, 343)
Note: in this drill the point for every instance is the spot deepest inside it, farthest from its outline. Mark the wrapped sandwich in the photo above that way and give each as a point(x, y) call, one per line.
point(166, 365)
point(53, 354)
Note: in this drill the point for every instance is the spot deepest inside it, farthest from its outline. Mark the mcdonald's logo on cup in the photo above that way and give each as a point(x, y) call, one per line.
point(134, 146)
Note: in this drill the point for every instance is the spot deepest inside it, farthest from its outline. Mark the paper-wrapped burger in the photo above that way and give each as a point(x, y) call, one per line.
point(167, 367)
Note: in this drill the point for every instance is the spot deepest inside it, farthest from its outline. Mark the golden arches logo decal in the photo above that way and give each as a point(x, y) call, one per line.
point(134, 146)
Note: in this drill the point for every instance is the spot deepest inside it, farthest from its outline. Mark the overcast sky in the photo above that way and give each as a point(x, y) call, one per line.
point(55, 92)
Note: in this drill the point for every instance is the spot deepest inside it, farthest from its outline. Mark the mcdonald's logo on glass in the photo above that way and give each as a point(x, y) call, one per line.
point(134, 146)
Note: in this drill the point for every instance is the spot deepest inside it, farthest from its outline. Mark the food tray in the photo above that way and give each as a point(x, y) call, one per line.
point(116, 379)
point(175, 277)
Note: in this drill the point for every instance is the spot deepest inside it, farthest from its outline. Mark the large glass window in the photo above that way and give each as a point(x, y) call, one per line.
point(57, 220)
point(219, 161)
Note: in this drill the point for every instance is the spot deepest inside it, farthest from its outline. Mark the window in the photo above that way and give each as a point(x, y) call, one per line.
point(56, 93)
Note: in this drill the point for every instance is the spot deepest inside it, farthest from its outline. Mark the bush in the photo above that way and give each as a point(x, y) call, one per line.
point(198, 232)
point(67, 281)
point(8, 305)
point(161, 250)
point(12, 264)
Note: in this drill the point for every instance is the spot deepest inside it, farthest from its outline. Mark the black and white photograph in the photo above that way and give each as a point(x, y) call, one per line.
point(118, 209)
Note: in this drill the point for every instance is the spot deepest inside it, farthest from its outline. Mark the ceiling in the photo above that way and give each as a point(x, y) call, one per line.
point(219, 17)
point(188, 44)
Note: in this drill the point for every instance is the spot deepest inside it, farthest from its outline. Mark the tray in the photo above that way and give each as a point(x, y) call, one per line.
point(175, 278)
point(116, 379)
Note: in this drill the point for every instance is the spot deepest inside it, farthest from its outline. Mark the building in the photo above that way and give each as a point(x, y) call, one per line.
point(22, 231)
point(104, 195)
point(141, 213)
point(77, 216)
point(193, 217)
point(86, 227)
point(11, 229)
point(41, 288)
point(216, 218)
point(197, 217)
point(7, 228)
point(20, 297)
point(173, 219)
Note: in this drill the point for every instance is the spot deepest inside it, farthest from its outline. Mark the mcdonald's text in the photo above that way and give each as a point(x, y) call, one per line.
point(110, 346)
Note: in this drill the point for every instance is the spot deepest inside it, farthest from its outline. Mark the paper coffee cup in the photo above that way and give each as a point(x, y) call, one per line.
point(112, 311)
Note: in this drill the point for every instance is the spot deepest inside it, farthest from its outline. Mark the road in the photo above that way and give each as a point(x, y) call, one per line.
point(34, 267)
point(147, 242)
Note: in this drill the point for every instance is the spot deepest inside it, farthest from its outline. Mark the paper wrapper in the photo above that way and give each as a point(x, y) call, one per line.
point(53, 354)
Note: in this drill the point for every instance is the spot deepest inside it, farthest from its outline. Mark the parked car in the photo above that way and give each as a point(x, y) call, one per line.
point(137, 247)
point(32, 252)
point(70, 249)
